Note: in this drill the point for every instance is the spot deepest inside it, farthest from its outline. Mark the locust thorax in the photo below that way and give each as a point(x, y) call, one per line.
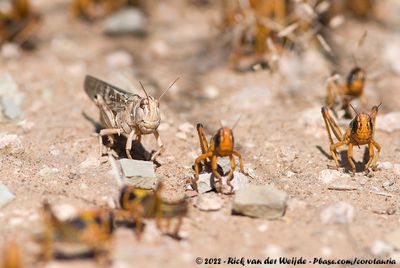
point(356, 81)
point(224, 141)
point(146, 115)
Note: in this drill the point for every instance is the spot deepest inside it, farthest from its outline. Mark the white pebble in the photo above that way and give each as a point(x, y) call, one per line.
point(339, 213)
point(119, 59)
point(385, 165)
point(46, 171)
point(10, 143)
point(186, 127)
point(328, 175)
point(380, 248)
point(209, 202)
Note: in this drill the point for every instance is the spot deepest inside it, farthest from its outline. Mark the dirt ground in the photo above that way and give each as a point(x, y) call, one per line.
point(280, 113)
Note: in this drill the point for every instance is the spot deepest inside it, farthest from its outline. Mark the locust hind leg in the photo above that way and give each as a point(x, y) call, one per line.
point(107, 118)
point(332, 126)
point(203, 144)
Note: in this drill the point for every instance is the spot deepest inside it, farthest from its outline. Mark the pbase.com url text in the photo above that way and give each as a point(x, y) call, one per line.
point(292, 261)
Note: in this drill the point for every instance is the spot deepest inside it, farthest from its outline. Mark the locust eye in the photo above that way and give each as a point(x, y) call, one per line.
point(354, 125)
point(144, 102)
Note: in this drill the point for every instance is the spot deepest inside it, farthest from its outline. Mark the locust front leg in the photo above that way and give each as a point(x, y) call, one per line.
point(350, 158)
point(214, 169)
point(128, 145)
point(160, 145)
point(202, 157)
point(333, 151)
point(378, 148)
point(230, 174)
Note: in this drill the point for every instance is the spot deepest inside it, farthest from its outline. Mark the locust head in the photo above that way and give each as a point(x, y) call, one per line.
point(363, 124)
point(147, 112)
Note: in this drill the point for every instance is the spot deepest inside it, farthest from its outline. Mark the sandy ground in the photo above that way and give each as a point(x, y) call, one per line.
point(279, 112)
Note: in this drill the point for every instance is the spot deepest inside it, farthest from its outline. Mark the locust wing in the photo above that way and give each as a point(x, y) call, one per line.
point(115, 98)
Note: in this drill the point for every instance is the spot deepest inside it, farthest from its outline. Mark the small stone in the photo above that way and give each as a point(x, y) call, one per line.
point(339, 213)
point(389, 122)
point(326, 251)
point(119, 59)
point(160, 48)
point(263, 227)
point(385, 165)
point(142, 183)
point(139, 173)
point(10, 51)
point(181, 136)
point(343, 186)
point(294, 204)
point(90, 163)
point(380, 248)
point(5, 195)
point(260, 201)
point(205, 183)
point(397, 169)
point(392, 55)
point(10, 144)
point(212, 92)
point(209, 202)
point(47, 171)
point(16, 221)
point(137, 168)
point(9, 88)
point(238, 181)
point(126, 21)
point(64, 211)
point(273, 251)
point(328, 175)
point(10, 109)
point(288, 154)
point(394, 238)
point(186, 128)
point(387, 184)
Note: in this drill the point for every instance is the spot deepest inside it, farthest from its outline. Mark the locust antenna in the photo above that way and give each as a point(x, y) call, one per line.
point(237, 121)
point(379, 105)
point(165, 91)
point(354, 109)
point(145, 92)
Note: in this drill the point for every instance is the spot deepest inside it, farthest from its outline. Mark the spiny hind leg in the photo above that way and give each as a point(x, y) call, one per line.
point(331, 125)
point(203, 144)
